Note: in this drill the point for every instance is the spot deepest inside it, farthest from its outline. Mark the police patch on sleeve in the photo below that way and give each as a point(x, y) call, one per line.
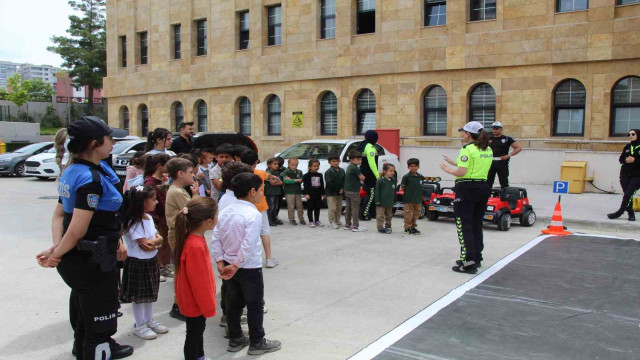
point(92, 200)
point(372, 154)
point(464, 159)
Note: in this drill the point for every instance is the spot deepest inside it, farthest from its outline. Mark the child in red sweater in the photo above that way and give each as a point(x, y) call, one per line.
point(195, 284)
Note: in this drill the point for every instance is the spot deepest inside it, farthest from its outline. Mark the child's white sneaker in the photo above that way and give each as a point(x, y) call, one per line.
point(157, 327)
point(145, 332)
point(359, 229)
point(335, 225)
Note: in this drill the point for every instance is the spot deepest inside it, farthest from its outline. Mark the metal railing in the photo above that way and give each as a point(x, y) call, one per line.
point(77, 100)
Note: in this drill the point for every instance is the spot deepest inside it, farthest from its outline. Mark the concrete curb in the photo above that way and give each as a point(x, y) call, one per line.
point(615, 225)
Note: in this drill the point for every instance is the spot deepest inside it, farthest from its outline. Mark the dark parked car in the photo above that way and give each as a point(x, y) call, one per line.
point(13, 163)
point(200, 140)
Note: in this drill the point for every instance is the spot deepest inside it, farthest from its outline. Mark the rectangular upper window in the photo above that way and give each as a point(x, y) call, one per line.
point(177, 41)
point(366, 17)
point(327, 19)
point(628, 2)
point(144, 59)
point(123, 51)
point(435, 12)
point(243, 30)
point(201, 37)
point(275, 25)
point(571, 5)
point(482, 10)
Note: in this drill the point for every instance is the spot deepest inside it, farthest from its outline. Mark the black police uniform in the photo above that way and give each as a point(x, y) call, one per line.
point(500, 146)
point(93, 281)
point(629, 179)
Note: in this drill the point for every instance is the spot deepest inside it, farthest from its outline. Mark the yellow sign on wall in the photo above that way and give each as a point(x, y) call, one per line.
point(297, 119)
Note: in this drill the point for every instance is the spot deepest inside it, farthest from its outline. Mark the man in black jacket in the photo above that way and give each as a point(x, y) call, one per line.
point(183, 144)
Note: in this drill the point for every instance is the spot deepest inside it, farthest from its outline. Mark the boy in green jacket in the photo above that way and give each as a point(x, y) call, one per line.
point(292, 178)
point(334, 188)
point(385, 197)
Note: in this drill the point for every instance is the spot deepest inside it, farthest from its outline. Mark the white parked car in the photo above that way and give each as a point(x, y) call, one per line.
point(320, 149)
point(125, 147)
point(43, 165)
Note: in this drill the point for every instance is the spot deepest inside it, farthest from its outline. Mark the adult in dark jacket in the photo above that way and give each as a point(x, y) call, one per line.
point(183, 144)
point(629, 175)
point(369, 168)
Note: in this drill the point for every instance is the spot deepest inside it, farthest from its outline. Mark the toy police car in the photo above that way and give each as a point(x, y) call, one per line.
point(430, 186)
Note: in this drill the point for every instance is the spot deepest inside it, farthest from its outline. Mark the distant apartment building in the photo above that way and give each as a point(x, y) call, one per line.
point(66, 90)
point(7, 69)
point(44, 72)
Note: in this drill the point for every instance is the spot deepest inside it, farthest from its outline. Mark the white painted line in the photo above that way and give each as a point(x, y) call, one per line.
point(605, 236)
point(406, 327)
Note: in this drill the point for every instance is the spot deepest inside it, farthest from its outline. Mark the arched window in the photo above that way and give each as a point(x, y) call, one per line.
point(244, 111)
point(625, 106)
point(435, 111)
point(273, 116)
point(143, 116)
point(178, 114)
point(329, 114)
point(568, 100)
point(202, 115)
point(366, 105)
point(483, 105)
point(124, 117)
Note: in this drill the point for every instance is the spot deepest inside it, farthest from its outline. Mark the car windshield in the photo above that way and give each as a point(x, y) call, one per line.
point(51, 151)
point(30, 149)
point(120, 147)
point(306, 151)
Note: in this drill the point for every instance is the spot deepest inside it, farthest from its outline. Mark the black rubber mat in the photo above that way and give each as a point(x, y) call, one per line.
point(573, 297)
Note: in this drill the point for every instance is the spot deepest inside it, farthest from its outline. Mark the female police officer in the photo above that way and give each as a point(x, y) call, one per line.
point(472, 193)
point(86, 240)
point(629, 175)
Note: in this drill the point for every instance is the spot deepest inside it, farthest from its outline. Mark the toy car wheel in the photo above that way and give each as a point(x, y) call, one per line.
point(423, 211)
point(504, 223)
point(528, 218)
point(432, 215)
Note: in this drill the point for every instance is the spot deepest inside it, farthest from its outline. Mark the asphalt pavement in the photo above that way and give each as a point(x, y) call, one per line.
point(333, 293)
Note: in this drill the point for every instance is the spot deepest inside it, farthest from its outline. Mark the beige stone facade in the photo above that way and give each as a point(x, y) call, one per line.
point(523, 54)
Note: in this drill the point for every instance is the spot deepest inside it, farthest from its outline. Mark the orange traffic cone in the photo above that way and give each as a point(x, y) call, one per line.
point(556, 227)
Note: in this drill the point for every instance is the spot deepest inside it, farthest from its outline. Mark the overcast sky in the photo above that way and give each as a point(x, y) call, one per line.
point(26, 28)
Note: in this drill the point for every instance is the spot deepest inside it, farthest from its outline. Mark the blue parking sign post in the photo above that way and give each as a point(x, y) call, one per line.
point(560, 187)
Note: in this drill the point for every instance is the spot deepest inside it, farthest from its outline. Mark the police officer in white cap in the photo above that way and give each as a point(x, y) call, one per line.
point(500, 145)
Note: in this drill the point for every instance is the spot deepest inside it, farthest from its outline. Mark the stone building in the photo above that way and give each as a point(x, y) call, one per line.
point(556, 73)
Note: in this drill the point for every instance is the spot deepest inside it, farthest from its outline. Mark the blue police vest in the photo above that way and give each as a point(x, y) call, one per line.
point(78, 175)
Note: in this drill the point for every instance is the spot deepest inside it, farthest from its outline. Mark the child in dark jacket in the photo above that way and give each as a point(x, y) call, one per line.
point(292, 178)
point(385, 197)
point(313, 192)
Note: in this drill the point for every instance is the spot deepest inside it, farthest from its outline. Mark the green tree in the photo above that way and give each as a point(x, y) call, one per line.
point(84, 51)
point(18, 90)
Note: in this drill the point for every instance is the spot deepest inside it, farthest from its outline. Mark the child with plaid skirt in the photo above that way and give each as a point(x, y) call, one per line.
point(141, 274)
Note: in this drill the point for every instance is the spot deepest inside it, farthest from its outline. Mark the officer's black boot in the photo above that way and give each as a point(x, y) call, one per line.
point(119, 351)
point(616, 214)
point(632, 215)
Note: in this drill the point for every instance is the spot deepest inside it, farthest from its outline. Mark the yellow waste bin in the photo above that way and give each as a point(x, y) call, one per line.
point(575, 172)
point(3, 147)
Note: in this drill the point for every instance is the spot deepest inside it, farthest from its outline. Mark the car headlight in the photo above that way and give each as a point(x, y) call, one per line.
point(491, 208)
point(436, 201)
point(4, 161)
point(48, 161)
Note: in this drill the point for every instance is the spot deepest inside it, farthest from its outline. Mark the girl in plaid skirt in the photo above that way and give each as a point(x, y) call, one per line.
point(141, 275)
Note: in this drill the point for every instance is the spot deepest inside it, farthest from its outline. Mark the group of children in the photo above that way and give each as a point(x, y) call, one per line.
point(163, 219)
point(336, 184)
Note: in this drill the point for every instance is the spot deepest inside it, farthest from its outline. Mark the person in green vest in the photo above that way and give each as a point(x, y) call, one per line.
point(472, 193)
point(629, 175)
point(369, 168)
